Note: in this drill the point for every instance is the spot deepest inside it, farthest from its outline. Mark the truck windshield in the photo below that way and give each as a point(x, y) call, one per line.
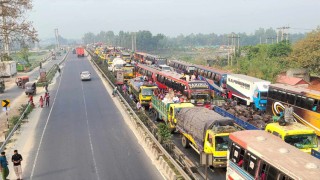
point(146, 92)
point(263, 95)
point(302, 141)
point(222, 143)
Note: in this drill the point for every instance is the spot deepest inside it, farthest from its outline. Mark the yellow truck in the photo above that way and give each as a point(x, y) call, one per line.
point(166, 111)
point(126, 56)
point(206, 132)
point(143, 91)
point(128, 70)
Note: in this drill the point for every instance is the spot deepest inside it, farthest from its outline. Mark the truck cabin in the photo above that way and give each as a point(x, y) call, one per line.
point(220, 130)
point(296, 134)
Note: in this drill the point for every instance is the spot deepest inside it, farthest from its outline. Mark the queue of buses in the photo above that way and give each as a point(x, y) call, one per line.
point(247, 159)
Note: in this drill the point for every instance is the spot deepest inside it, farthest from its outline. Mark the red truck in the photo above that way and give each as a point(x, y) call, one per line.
point(80, 51)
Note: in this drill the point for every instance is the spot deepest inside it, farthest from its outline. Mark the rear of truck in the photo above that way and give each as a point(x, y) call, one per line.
point(167, 111)
point(206, 131)
point(80, 51)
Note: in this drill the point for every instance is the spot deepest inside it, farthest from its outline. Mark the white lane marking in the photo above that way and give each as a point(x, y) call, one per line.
point(90, 139)
point(44, 129)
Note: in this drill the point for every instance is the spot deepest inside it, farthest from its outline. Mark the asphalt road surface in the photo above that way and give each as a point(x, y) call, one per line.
point(83, 136)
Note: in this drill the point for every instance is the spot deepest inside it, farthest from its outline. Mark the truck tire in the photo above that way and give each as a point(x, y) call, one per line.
point(155, 115)
point(185, 142)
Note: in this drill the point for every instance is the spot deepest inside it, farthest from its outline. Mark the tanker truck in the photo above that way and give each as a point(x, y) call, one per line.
point(206, 132)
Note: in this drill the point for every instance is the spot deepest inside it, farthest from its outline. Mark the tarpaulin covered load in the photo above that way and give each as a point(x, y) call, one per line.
point(196, 120)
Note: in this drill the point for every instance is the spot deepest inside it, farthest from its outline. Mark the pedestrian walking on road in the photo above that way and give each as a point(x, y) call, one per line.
point(138, 106)
point(4, 166)
point(47, 98)
point(16, 159)
point(59, 70)
point(46, 86)
point(41, 102)
point(31, 100)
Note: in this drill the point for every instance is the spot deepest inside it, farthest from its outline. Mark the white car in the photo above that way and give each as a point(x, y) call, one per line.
point(85, 75)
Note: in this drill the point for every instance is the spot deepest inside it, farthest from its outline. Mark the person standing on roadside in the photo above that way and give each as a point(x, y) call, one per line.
point(41, 102)
point(47, 98)
point(16, 159)
point(4, 166)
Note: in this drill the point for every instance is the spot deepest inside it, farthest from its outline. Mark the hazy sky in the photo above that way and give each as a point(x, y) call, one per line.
point(171, 17)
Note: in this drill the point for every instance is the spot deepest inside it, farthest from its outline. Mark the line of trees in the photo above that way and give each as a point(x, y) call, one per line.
point(267, 61)
point(146, 41)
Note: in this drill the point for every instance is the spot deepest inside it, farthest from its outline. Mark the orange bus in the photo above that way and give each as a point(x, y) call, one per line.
point(305, 103)
point(258, 155)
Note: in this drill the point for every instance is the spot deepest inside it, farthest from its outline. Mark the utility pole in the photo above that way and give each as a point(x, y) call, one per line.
point(284, 33)
point(56, 32)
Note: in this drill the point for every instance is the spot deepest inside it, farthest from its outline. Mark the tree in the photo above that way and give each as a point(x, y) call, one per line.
point(306, 52)
point(281, 49)
point(14, 24)
point(88, 38)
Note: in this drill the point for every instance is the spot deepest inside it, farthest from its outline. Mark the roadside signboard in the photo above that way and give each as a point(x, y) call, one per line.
point(120, 78)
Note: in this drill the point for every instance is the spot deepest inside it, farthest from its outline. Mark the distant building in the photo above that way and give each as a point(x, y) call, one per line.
point(299, 73)
point(293, 81)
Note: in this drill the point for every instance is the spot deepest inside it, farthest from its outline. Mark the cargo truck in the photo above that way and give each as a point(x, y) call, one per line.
point(251, 90)
point(206, 132)
point(143, 91)
point(294, 133)
point(80, 51)
point(166, 111)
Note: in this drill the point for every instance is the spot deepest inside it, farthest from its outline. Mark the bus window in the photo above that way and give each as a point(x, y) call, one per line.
point(301, 101)
point(284, 177)
point(309, 103)
point(290, 98)
point(315, 106)
point(272, 173)
point(282, 96)
point(250, 163)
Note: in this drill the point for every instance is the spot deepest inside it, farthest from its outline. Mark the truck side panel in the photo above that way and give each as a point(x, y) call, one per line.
point(238, 121)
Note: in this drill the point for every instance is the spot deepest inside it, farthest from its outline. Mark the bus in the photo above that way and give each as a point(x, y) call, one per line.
point(140, 57)
point(305, 103)
point(197, 92)
point(258, 155)
point(217, 79)
point(155, 60)
point(182, 66)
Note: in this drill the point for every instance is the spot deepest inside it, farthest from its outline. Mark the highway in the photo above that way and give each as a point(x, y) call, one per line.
point(83, 135)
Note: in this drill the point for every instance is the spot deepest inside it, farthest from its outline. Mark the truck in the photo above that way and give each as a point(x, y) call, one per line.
point(9, 68)
point(166, 111)
point(117, 64)
point(128, 71)
point(294, 133)
point(143, 91)
point(251, 90)
point(207, 132)
point(80, 51)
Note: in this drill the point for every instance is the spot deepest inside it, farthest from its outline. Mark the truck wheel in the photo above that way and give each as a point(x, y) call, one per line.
point(185, 142)
point(154, 115)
